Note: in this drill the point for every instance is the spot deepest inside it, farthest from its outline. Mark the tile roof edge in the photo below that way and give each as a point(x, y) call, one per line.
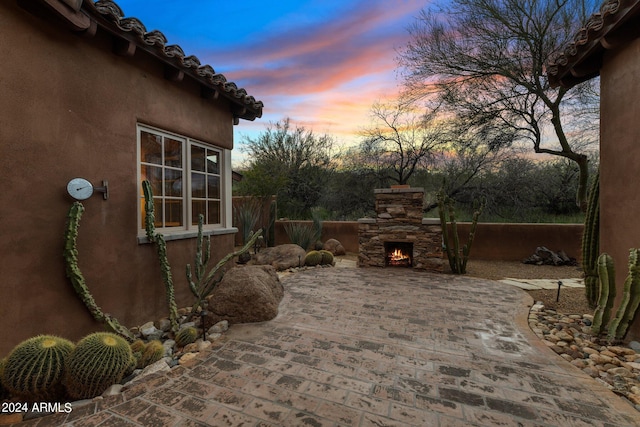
point(587, 41)
point(109, 16)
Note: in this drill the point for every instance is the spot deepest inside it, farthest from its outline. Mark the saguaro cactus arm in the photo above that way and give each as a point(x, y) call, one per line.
point(206, 285)
point(76, 277)
point(590, 242)
point(606, 274)
point(457, 257)
point(631, 297)
point(161, 249)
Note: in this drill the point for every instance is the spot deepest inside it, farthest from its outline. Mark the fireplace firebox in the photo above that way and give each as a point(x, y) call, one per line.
point(398, 254)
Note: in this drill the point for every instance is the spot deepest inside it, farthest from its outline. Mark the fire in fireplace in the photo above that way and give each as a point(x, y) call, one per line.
point(398, 254)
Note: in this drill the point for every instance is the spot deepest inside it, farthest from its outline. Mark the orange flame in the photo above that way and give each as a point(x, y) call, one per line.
point(398, 256)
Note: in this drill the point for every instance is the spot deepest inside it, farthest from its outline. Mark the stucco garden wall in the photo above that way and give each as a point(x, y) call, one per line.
point(69, 108)
point(620, 159)
point(509, 242)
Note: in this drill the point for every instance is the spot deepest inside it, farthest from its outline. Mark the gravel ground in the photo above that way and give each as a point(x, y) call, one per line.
point(572, 300)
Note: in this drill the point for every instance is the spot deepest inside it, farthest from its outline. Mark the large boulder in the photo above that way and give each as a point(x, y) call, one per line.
point(334, 246)
point(246, 294)
point(280, 257)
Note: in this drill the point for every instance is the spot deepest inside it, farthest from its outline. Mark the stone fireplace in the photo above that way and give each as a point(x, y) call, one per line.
point(399, 236)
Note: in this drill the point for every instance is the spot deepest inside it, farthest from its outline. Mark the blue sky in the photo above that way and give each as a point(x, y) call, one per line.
point(322, 63)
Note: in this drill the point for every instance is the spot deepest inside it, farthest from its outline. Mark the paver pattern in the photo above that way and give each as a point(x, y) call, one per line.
point(373, 347)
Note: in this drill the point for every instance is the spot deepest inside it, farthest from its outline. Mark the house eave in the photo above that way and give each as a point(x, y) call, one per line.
point(130, 36)
point(616, 23)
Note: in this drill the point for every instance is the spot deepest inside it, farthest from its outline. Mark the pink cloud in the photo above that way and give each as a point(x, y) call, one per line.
point(327, 76)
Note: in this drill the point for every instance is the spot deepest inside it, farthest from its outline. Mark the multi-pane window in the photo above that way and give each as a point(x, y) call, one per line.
point(185, 176)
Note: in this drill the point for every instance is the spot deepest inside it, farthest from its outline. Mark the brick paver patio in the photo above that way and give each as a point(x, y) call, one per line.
point(373, 347)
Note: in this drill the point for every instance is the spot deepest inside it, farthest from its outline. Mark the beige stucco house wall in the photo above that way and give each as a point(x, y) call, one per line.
point(76, 83)
point(609, 46)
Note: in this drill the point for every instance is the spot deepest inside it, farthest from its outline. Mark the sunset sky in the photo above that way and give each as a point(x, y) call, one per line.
point(322, 63)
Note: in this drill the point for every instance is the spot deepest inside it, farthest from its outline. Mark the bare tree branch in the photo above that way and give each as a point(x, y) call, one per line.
point(485, 61)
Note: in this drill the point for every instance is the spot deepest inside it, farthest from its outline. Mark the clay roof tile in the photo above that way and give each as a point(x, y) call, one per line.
point(580, 60)
point(110, 16)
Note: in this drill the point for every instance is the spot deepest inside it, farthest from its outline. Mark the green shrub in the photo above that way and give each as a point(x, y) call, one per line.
point(301, 234)
point(35, 368)
point(245, 216)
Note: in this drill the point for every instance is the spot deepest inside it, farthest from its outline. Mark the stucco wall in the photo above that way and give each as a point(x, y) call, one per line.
point(69, 108)
point(507, 242)
point(620, 159)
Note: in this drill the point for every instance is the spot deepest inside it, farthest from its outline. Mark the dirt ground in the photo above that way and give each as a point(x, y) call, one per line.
point(571, 301)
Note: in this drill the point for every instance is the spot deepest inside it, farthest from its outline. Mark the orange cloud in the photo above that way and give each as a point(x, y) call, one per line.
point(328, 76)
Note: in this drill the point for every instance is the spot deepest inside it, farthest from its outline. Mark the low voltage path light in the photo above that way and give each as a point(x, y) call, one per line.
point(559, 285)
point(203, 318)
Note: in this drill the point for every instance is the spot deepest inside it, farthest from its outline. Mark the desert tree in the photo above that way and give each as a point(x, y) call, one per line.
point(400, 139)
point(289, 161)
point(471, 152)
point(484, 61)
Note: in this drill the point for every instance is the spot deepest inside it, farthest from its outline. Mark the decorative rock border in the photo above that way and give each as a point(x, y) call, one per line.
point(615, 366)
point(174, 357)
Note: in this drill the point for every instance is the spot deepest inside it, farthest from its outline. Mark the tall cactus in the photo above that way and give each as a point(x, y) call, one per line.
point(206, 282)
point(591, 242)
point(630, 299)
point(74, 274)
point(457, 257)
point(607, 276)
point(161, 249)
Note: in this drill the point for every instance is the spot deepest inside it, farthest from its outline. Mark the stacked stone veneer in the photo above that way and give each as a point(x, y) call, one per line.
point(399, 219)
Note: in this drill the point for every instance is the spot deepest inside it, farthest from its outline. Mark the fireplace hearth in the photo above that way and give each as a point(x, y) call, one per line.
point(398, 236)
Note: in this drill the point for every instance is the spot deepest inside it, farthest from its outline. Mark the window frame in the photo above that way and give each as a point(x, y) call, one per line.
point(187, 229)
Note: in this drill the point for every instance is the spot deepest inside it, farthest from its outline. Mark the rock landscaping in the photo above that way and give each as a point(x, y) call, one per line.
point(246, 294)
point(280, 257)
point(174, 355)
point(615, 366)
point(544, 256)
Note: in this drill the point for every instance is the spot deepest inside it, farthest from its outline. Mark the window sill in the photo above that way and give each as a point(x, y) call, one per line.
point(182, 234)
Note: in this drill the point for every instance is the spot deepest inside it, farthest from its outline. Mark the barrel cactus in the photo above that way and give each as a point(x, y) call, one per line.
point(35, 368)
point(98, 361)
point(153, 352)
point(313, 258)
point(137, 348)
point(186, 336)
point(327, 257)
point(3, 392)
